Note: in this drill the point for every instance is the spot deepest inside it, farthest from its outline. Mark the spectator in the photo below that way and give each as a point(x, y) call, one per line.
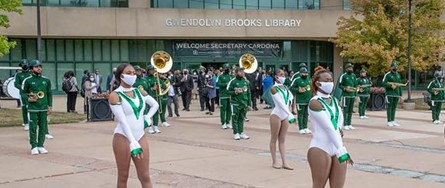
point(109, 79)
point(267, 83)
point(98, 80)
point(72, 92)
point(90, 86)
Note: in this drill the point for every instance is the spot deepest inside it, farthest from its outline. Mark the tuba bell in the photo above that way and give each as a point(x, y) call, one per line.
point(163, 62)
point(248, 62)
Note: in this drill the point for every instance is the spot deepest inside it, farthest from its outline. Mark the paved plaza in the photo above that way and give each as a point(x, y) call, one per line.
point(195, 152)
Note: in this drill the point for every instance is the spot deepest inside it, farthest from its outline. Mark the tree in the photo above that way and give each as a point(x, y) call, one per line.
point(376, 33)
point(7, 6)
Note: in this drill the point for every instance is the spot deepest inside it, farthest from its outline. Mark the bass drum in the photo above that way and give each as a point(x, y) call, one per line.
point(10, 90)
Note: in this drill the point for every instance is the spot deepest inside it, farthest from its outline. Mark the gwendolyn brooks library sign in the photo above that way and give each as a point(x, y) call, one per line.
point(206, 22)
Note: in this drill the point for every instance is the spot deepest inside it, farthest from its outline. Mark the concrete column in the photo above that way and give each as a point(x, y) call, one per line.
point(139, 4)
point(338, 63)
point(331, 4)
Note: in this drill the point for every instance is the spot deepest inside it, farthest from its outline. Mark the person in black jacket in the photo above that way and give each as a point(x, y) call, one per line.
point(201, 86)
point(186, 87)
point(255, 82)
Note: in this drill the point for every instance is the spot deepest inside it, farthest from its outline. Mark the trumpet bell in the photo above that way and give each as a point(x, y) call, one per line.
point(162, 61)
point(248, 62)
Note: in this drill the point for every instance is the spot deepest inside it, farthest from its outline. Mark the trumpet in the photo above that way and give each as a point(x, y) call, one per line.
point(248, 62)
point(398, 84)
point(32, 97)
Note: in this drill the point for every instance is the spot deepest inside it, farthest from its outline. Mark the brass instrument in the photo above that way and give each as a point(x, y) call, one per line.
point(361, 87)
point(248, 62)
point(398, 84)
point(439, 89)
point(32, 97)
point(162, 62)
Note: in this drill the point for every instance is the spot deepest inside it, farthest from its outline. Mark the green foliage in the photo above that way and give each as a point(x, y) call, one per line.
point(377, 33)
point(7, 6)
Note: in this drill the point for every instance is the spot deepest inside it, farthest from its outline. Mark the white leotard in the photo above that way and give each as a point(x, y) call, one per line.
point(324, 135)
point(281, 108)
point(130, 124)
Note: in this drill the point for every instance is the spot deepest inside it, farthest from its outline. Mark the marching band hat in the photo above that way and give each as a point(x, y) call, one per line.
point(34, 63)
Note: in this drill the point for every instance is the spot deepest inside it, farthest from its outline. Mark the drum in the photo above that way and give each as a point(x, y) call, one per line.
point(10, 90)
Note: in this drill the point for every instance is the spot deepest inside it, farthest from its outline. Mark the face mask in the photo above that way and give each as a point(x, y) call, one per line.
point(394, 70)
point(129, 79)
point(349, 71)
point(227, 71)
point(304, 77)
point(281, 79)
point(91, 79)
point(185, 72)
point(327, 87)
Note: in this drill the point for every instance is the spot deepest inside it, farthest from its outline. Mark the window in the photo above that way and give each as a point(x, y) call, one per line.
point(165, 3)
point(211, 4)
point(79, 3)
point(265, 4)
point(291, 4)
point(199, 4)
point(278, 4)
point(226, 4)
point(239, 4)
point(346, 5)
point(181, 3)
point(252, 4)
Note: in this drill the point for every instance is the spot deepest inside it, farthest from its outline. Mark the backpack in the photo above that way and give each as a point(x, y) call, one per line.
point(67, 85)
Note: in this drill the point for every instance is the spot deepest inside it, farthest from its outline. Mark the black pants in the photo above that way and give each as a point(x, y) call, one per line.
point(201, 99)
point(210, 103)
point(173, 99)
point(216, 99)
point(71, 101)
point(253, 95)
point(186, 98)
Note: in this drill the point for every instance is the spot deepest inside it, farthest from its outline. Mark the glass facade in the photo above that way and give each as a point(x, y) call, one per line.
point(238, 4)
point(78, 3)
point(346, 5)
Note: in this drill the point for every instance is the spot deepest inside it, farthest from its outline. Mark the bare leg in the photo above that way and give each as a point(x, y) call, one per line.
point(294, 106)
point(320, 164)
point(121, 149)
point(281, 143)
point(275, 125)
point(142, 165)
point(338, 174)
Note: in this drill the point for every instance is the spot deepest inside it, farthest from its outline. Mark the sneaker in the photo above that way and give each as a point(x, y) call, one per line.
point(26, 127)
point(156, 129)
point(150, 130)
point(436, 122)
point(34, 151)
point(302, 131)
point(366, 117)
point(48, 136)
point(236, 136)
point(42, 150)
point(244, 136)
point(165, 124)
point(224, 126)
point(362, 117)
point(390, 124)
point(346, 127)
point(228, 126)
point(246, 119)
point(307, 131)
point(351, 127)
point(395, 124)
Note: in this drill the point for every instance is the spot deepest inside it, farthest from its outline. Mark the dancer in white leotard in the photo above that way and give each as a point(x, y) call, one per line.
point(327, 155)
point(280, 118)
point(128, 104)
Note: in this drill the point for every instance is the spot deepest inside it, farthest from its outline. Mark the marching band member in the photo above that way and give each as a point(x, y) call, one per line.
point(19, 77)
point(224, 97)
point(435, 88)
point(153, 92)
point(294, 77)
point(39, 103)
point(348, 85)
point(239, 90)
point(393, 90)
point(303, 94)
point(280, 118)
point(327, 156)
point(127, 104)
point(363, 93)
point(142, 84)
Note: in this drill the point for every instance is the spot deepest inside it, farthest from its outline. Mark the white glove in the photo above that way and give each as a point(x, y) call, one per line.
point(135, 148)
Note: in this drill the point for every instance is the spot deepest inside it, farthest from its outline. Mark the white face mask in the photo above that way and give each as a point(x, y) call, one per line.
point(327, 87)
point(129, 79)
point(281, 79)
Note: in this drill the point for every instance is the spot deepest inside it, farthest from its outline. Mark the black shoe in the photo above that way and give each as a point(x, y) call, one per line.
point(187, 110)
point(183, 109)
point(211, 113)
point(255, 108)
point(177, 115)
point(170, 116)
point(202, 110)
point(207, 112)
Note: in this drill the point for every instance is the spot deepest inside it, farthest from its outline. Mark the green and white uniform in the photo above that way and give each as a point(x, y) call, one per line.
point(38, 110)
point(302, 99)
point(239, 102)
point(19, 78)
point(348, 80)
point(152, 80)
point(392, 95)
point(142, 84)
point(224, 98)
point(437, 97)
point(363, 95)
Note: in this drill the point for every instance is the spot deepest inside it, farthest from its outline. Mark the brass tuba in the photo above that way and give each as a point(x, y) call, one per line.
point(248, 62)
point(163, 62)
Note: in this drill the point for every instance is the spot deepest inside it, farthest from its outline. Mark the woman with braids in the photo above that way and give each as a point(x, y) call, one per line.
point(128, 104)
point(327, 156)
point(280, 118)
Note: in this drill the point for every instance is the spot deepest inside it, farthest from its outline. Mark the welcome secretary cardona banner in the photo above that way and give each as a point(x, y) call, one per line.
point(226, 48)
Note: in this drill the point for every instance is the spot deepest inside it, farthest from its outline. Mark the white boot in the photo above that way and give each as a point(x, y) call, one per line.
point(34, 151)
point(165, 124)
point(150, 130)
point(48, 136)
point(229, 126)
point(224, 126)
point(156, 129)
point(42, 150)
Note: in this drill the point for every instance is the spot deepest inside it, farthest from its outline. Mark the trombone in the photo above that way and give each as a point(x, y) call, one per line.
point(398, 84)
point(162, 62)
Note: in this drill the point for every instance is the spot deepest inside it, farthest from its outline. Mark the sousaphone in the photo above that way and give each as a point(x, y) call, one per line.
point(248, 62)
